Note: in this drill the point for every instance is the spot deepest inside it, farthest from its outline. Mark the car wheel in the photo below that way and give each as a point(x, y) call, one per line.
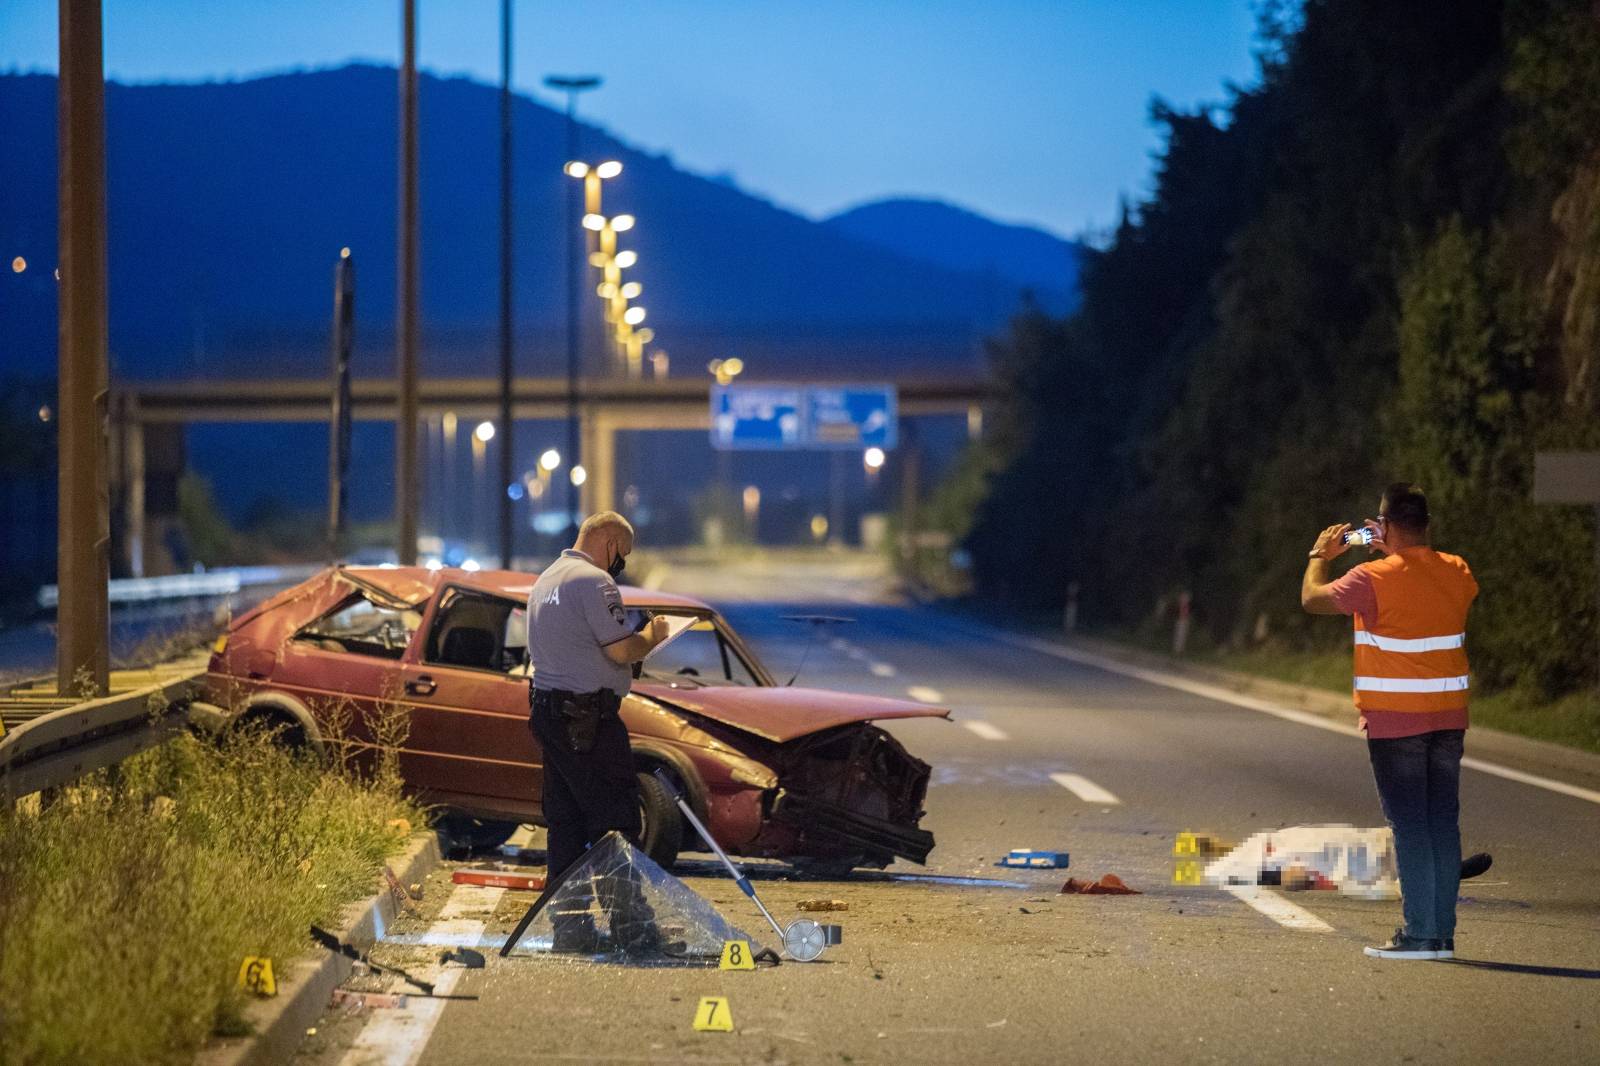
point(661, 833)
point(468, 834)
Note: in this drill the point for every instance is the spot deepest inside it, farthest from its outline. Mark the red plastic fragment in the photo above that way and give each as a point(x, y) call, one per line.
point(1109, 885)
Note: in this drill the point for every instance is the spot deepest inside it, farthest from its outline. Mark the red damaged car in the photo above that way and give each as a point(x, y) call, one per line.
point(793, 773)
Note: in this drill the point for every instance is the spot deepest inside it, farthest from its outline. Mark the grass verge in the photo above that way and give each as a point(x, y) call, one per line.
point(128, 903)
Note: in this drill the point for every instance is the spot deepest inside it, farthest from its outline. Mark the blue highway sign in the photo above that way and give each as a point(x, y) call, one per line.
point(780, 417)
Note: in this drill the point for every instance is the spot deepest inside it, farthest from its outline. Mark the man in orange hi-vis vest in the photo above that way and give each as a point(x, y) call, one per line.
point(1411, 681)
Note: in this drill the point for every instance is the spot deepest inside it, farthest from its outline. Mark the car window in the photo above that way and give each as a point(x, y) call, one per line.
point(700, 653)
point(478, 632)
point(360, 627)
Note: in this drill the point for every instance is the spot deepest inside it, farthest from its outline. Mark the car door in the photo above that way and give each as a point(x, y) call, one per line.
point(467, 694)
point(345, 667)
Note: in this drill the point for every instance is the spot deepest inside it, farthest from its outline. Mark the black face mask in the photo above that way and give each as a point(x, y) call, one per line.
point(618, 564)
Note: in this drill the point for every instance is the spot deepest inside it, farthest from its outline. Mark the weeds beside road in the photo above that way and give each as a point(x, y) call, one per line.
point(127, 905)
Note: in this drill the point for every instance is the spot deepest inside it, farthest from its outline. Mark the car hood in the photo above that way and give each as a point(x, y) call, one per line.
point(783, 714)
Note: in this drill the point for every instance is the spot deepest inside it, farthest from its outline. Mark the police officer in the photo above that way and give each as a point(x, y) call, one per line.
point(582, 648)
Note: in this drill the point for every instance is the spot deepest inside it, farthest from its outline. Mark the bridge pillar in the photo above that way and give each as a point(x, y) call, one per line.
point(599, 461)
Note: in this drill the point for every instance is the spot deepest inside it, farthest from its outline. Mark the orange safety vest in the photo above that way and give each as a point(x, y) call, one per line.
point(1415, 658)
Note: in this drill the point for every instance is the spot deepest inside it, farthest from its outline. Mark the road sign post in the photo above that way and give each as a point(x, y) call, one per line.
point(1572, 477)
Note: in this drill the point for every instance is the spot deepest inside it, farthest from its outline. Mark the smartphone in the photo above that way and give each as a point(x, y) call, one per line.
point(1358, 536)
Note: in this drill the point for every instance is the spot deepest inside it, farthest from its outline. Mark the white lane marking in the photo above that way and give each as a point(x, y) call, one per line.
point(883, 670)
point(1278, 909)
point(1224, 695)
point(924, 694)
point(986, 731)
point(1083, 788)
point(398, 1037)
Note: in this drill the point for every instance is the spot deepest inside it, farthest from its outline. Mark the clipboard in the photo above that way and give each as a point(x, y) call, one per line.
point(677, 626)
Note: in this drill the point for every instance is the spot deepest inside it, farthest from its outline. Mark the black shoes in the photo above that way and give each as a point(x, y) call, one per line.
point(1474, 865)
point(1401, 946)
point(1447, 948)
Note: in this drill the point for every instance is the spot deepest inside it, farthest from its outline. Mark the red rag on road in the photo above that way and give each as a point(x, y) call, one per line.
point(1109, 885)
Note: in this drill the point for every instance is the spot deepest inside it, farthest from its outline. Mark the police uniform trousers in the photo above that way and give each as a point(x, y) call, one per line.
point(585, 794)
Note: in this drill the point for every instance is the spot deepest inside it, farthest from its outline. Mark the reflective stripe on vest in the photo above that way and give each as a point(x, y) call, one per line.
point(1412, 684)
point(1455, 640)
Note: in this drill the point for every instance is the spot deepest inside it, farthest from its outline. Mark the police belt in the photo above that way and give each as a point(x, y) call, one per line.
point(576, 715)
point(600, 701)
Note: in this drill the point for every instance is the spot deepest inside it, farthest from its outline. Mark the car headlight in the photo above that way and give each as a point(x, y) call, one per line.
point(755, 778)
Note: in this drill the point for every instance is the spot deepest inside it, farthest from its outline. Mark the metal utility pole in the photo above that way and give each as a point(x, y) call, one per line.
point(344, 311)
point(572, 86)
point(84, 526)
point(506, 452)
point(405, 423)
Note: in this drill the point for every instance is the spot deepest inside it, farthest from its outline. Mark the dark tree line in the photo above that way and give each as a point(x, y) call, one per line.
point(1382, 262)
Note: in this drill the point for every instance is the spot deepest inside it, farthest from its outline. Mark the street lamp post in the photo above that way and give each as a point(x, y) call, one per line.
point(572, 86)
point(406, 298)
point(506, 330)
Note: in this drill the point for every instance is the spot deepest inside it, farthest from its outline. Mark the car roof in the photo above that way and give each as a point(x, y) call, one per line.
point(413, 584)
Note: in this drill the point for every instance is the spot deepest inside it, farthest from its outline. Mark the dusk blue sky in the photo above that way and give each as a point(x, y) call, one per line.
point(1027, 110)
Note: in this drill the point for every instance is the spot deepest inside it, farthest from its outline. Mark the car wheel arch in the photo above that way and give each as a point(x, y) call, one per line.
point(649, 757)
point(269, 706)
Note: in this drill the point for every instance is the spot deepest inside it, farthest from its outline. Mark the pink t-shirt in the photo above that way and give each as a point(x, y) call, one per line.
point(1354, 594)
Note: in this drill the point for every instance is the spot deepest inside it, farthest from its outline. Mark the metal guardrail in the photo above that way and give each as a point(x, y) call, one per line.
point(205, 585)
point(52, 740)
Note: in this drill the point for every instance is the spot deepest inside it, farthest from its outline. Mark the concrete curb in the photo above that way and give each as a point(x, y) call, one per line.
point(306, 984)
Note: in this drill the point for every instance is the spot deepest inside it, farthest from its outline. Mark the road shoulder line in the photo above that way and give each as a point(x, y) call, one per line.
point(1280, 910)
point(1223, 695)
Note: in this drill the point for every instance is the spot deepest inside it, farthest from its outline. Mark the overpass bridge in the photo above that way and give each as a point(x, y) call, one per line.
point(605, 407)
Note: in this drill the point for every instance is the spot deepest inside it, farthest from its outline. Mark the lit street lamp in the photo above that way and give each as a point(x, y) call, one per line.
point(572, 85)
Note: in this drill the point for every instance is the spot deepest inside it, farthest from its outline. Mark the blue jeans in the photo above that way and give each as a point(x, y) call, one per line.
point(1419, 781)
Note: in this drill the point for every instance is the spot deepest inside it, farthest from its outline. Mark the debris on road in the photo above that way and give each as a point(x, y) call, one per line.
point(1108, 885)
point(344, 997)
point(404, 901)
point(650, 914)
point(1355, 862)
point(472, 960)
point(822, 905)
point(498, 876)
point(1030, 858)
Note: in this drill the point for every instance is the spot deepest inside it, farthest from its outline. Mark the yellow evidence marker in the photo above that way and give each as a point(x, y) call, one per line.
point(736, 956)
point(1186, 872)
point(712, 1016)
point(255, 974)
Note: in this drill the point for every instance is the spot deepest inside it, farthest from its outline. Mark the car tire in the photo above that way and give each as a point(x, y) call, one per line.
point(661, 835)
point(466, 834)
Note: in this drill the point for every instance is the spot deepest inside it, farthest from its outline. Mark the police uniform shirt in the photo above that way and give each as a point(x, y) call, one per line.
point(574, 611)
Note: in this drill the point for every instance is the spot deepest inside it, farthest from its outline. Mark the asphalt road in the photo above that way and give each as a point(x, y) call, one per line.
point(1045, 753)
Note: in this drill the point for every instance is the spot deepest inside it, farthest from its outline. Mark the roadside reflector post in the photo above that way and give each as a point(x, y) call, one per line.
point(1180, 627)
point(83, 529)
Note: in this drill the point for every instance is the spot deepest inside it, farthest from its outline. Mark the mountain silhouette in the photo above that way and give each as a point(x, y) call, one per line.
point(228, 204)
point(1011, 258)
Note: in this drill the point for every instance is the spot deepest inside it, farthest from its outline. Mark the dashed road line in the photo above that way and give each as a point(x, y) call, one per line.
point(924, 694)
point(882, 670)
point(1084, 789)
point(1278, 909)
point(986, 731)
